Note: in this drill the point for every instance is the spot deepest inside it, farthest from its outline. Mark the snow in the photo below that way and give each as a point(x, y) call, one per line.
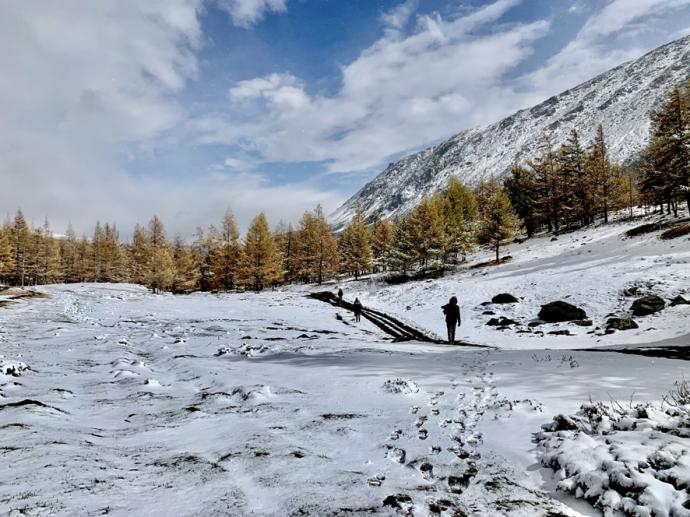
point(588, 268)
point(130, 403)
point(620, 100)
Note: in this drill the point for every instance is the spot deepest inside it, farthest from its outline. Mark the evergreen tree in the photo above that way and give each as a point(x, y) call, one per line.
point(261, 259)
point(402, 255)
point(499, 223)
point(521, 187)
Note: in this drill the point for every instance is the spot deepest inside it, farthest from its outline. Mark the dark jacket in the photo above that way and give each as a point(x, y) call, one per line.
point(452, 312)
point(357, 306)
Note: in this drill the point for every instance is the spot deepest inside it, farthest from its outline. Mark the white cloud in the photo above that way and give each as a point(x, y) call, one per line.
point(83, 83)
point(401, 92)
point(245, 13)
point(620, 31)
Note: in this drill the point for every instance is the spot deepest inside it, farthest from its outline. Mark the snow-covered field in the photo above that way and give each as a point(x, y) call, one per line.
point(268, 404)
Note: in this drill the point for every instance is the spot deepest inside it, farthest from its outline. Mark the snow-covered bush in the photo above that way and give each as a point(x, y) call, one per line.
point(634, 459)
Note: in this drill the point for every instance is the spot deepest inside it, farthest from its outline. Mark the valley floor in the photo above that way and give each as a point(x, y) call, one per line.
point(269, 404)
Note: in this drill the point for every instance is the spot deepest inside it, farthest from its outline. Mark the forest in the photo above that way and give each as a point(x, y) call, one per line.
point(568, 185)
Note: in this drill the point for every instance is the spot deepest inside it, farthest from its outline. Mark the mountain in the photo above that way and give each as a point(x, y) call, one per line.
point(620, 100)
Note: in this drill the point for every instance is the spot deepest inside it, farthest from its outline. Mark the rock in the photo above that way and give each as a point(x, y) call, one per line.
point(488, 313)
point(501, 322)
point(504, 298)
point(561, 311)
point(647, 305)
point(533, 324)
point(582, 323)
point(632, 291)
point(679, 300)
point(553, 239)
point(560, 333)
point(397, 500)
point(620, 324)
point(493, 322)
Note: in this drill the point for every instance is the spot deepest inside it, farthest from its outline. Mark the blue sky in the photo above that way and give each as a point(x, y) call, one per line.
point(116, 111)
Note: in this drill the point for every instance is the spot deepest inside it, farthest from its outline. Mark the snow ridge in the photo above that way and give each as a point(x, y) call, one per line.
point(620, 100)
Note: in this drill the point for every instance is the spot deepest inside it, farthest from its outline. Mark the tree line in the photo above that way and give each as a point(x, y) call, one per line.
point(563, 187)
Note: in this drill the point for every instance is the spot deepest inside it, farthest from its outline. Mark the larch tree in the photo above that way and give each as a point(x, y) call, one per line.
point(187, 272)
point(20, 241)
point(226, 253)
point(261, 260)
point(460, 217)
point(499, 223)
point(605, 181)
point(6, 255)
point(355, 245)
point(427, 232)
point(381, 240)
point(140, 255)
point(402, 254)
point(162, 271)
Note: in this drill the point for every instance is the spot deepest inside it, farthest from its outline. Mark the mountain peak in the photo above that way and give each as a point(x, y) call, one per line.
point(620, 99)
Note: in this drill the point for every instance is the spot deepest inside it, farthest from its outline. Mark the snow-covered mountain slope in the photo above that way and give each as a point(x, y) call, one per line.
point(620, 100)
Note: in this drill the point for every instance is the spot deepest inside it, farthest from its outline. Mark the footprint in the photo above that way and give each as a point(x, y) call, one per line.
point(376, 480)
point(397, 455)
point(414, 409)
point(395, 435)
point(435, 449)
point(423, 434)
point(435, 411)
point(427, 470)
point(421, 420)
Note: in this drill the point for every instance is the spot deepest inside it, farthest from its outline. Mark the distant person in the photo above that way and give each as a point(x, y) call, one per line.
point(357, 307)
point(452, 312)
point(340, 296)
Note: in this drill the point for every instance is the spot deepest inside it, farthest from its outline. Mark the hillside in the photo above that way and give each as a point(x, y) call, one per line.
point(620, 100)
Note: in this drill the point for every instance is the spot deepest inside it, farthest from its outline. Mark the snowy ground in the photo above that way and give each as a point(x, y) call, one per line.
point(246, 404)
point(590, 269)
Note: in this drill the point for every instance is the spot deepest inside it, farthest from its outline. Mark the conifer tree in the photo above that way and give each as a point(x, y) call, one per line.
point(355, 245)
point(499, 223)
point(20, 241)
point(402, 255)
point(226, 253)
point(545, 168)
point(427, 232)
point(381, 240)
point(285, 237)
point(606, 183)
point(140, 256)
point(162, 271)
point(6, 255)
point(316, 249)
point(577, 182)
point(187, 272)
point(460, 215)
point(521, 187)
point(261, 260)
point(68, 255)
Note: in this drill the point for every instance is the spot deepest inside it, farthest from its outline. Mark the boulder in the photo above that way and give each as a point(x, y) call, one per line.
point(493, 322)
point(620, 324)
point(647, 305)
point(504, 298)
point(560, 333)
point(582, 323)
point(561, 311)
point(679, 300)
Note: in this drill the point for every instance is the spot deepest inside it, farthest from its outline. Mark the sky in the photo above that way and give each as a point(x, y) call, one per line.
point(119, 110)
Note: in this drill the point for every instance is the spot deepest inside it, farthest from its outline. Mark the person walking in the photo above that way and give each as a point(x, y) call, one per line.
point(340, 296)
point(452, 313)
point(357, 307)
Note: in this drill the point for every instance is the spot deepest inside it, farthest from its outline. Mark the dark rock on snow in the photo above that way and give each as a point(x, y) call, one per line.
point(504, 298)
point(561, 311)
point(621, 324)
point(679, 300)
point(582, 323)
point(647, 305)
